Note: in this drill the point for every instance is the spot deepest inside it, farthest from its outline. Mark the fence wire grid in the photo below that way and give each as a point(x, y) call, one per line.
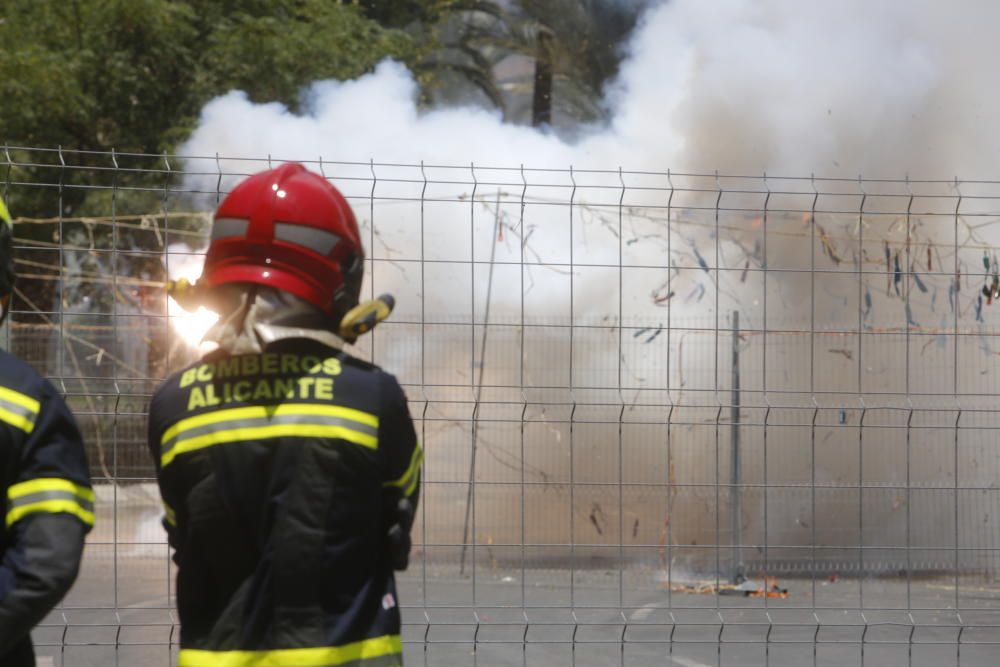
point(669, 418)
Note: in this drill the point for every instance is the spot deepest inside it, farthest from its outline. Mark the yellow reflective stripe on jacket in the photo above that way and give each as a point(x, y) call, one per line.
point(265, 432)
point(19, 421)
point(49, 495)
point(297, 420)
point(358, 653)
point(408, 480)
point(17, 398)
point(18, 410)
point(50, 484)
point(264, 412)
point(5, 214)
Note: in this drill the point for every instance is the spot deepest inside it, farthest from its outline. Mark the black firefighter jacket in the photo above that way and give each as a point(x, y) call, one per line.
point(48, 505)
point(281, 475)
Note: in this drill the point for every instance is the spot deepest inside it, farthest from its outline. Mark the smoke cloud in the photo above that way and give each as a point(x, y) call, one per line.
point(881, 89)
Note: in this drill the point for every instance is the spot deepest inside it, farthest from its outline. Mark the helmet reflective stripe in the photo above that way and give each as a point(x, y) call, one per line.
point(317, 240)
point(225, 227)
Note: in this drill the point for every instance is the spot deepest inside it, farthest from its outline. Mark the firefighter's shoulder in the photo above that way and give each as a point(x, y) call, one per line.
point(361, 364)
point(382, 379)
point(168, 386)
point(18, 376)
point(22, 390)
point(15, 372)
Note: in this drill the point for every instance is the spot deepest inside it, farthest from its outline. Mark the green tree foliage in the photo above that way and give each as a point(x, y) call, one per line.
point(273, 56)
point(404, 13)
point(133, 74)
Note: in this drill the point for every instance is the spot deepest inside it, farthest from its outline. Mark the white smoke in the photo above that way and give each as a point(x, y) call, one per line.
point(878, 88)
point(739, 86)
point(882, 88)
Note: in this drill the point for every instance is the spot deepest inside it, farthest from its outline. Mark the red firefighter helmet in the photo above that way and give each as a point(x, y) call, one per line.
point(290, 229)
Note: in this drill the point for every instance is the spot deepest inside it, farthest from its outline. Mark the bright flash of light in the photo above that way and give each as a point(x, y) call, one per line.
point(189, 326)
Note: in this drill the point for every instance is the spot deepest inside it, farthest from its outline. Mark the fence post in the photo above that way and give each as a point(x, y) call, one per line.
point(735, 467)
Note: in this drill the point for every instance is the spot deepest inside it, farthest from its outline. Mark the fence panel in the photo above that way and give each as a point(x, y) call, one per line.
point(708, 419)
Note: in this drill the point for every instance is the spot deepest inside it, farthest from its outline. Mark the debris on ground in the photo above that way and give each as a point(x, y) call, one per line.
point(751, 588)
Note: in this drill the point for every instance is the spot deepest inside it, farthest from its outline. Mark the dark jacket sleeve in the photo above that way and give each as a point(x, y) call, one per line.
point(49, 510)
point(402, 458)
point(37, 572)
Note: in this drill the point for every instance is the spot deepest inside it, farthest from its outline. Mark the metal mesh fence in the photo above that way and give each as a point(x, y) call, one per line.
point(668, 418)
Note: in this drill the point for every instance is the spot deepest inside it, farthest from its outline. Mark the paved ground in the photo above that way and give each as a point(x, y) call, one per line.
point(500, 630)
point(119, 614)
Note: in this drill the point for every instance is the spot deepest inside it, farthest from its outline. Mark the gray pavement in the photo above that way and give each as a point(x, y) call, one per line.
point(119, 613)
point(580, 619)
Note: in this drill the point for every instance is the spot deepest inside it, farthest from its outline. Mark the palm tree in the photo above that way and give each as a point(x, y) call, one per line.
point(539, 61)
point(581, 43)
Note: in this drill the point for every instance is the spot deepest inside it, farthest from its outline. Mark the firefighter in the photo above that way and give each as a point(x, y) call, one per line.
point(48, 500)
point(289, 469)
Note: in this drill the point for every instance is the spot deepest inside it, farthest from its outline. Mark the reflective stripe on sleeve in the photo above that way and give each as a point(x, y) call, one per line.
point(296, 420)
point(50, 495)
point(408, 480)
point(378, 652)
point(18, 410)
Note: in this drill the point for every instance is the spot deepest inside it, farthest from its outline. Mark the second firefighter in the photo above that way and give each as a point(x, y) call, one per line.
point(289, 469)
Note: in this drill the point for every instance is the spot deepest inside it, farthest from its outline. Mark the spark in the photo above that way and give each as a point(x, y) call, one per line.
point(190, 327)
